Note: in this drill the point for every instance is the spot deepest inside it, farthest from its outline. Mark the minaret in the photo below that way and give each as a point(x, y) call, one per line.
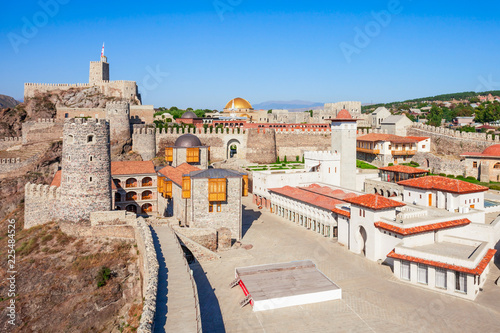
point(344, 129)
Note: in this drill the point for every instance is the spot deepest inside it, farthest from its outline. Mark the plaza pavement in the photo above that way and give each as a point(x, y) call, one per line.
point(373, 300)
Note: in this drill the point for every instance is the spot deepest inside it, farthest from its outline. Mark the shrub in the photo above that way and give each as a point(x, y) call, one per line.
point(442, 174)
point(297, 158)
point(470, 178)
point(495, 187)
point(391, 164)
point(415, 164)
point(103, 276)
point(284, 160)
point(450, 176)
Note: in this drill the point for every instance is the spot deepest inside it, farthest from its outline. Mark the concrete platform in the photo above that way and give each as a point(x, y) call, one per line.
point(283, 285)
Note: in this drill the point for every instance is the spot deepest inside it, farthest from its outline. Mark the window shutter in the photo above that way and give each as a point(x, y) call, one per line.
point(186, 187)
point(245, 185)
point(169, 154)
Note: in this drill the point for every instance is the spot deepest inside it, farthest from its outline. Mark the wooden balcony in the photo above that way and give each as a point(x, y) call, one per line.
point(368, 151)
point(403, 152)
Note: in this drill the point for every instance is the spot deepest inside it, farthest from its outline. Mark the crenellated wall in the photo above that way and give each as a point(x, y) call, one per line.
point(8, 142)
point(39, 204)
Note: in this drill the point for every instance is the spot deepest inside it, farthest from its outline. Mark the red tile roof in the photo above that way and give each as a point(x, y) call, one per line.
point(375, 202)
point(421, 229)
point(491, 151)
point(314, 199)
point(476, 271)
point(403, 169)
point(344, 115)
point(329, 192)
point(175, 174)
point(417, 138)
point(443, 184)
point(57, 179)
point(132, 168)
point(374, 137)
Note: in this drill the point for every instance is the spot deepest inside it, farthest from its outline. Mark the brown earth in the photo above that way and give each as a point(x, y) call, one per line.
point(56, 282)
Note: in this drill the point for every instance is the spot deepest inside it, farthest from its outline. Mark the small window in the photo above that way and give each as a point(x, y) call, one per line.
point(474, 165)
point(69, 158)
point(71, 139)
point(405, 270)
point(423, 146)
point(91, 179)
point(91, 158)
point(441, 278)
point(90, 139)
point(422, 273)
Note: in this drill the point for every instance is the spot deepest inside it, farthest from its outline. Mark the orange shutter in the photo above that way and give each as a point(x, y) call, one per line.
point(160, 184)
point(217, 189)
point(169, 154)
point(193, 155)
point(245, 185)
point(168, 189)
point(186, 187)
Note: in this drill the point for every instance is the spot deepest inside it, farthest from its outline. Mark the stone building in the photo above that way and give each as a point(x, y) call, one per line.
point(378, 116)
point(135, 187)
point(344, 129)
point(396, 125)
point(483, 166)
point(188, 149)
point(203, 198)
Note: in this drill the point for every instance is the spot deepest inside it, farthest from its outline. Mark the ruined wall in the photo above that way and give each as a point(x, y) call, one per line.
point(437, 165)
point(32, 89)
point(42, 130)
point(10, 164)
point(39, 204)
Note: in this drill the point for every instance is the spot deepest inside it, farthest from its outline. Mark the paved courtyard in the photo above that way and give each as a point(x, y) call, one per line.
point(373, 300)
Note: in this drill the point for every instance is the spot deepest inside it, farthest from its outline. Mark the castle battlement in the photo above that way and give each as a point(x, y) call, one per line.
point(11, 139)
point(117, 103)
point(42, 191)
point(319, 155)
point(96, 62)
point(10, 160)
point(55, 85)
point(117, 81)
point(440, 131)
point(45, 120)
point(141, 130)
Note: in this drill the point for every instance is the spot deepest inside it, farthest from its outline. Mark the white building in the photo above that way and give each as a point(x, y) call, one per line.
point(396, 124)
point(437, 238)
point(378, 116)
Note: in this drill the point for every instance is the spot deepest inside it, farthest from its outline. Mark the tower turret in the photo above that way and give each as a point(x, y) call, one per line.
point(86, 177)
point(118, 115)
point(99, 70)
point(344, 129)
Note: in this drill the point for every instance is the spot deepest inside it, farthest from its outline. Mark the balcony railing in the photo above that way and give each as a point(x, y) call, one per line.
point(147, 184)
point(368, 151)
point(403, 152)
point(147, 197)
point(129, 185)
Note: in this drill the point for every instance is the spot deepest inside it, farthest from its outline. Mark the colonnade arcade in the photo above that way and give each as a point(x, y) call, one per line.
point(317, 219)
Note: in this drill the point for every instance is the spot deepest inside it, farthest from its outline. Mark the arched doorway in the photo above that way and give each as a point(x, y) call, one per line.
point(233, 147)
point(363, 239)
point(131, 208)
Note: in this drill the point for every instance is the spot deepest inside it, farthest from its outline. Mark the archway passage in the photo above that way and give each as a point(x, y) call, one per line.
point(147, 208)
point(131, 208)
point(233, 147)
point(364, 237)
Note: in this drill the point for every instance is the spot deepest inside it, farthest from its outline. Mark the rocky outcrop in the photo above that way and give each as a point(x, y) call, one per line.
point(7, 102)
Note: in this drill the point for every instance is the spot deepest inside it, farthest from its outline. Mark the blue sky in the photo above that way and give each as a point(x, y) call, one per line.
point(259, 50)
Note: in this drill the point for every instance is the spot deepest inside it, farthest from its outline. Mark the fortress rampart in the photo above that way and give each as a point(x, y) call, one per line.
point(8, 142)
point(39, 204)
point(41, 130)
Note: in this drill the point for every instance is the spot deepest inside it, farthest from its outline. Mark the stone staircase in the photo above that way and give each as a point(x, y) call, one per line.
point(177, 307)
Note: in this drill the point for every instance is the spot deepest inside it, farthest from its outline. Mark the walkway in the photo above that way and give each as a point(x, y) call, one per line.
point(176, 304)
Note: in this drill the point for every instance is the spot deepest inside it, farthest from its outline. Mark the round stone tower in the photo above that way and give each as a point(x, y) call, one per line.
point(118, 115)
point(144, 142)
point(86, 169)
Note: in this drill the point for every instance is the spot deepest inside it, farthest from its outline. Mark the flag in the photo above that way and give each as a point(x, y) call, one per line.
point(102, 52)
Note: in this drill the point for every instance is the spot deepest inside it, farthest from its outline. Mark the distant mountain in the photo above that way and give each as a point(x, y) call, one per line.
point(295, 105)
point(7, 102)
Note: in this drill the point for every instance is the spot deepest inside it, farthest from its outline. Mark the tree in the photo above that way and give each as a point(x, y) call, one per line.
point(269, 111)
point(435, 116)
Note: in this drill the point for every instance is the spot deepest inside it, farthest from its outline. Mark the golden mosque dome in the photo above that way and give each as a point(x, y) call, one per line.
point(238, 104)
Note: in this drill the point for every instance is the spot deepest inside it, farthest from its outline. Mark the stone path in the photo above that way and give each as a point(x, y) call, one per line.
point(176, 301)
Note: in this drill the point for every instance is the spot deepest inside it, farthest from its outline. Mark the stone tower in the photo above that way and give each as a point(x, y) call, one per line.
point(86, 176)
point(144, 142)
point(99, 71)
point(118, 115)
point(344, 129)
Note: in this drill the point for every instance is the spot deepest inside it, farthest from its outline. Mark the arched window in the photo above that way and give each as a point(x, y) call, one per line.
point(147, 208)
point(131, 196)
point(131, 182)
point(118, 183)
point(146, 182)
point(147, 195)
point(71, 139)
point(497, 166)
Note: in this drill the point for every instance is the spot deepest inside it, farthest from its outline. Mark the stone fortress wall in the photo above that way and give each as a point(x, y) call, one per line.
point(41, 130)
point(8, 142)
point(39, 204)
